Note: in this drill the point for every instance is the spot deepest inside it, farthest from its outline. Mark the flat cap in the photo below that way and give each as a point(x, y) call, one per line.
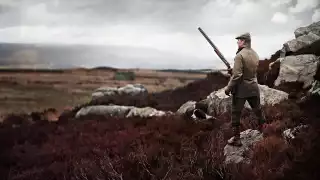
point(244, 36)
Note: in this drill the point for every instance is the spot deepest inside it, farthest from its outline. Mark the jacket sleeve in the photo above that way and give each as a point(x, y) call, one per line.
point(237, 72)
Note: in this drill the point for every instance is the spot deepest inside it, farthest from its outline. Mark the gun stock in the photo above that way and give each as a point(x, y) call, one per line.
point(215, 48)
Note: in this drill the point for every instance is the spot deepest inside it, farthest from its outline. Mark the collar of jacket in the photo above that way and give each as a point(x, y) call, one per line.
point(239, 49)
point(244, 46)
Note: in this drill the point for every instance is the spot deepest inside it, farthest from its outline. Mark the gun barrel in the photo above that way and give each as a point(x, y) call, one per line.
point(215, 48)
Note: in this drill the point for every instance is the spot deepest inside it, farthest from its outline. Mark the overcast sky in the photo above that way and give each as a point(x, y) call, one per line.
point(163, 25)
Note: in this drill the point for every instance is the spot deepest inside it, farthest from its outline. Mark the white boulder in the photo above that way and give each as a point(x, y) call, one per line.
point(235, 154)
point(314, 27)
point(108, 110)
point(300, 68)
point(221, 103)
point(145, 112)
point(289, 134)
point(301, 42)
point(120, 111)
point(129, 89)
point(133, 90)
point(190, 105)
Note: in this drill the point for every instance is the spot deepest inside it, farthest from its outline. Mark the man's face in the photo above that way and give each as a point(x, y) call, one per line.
point(240, 43)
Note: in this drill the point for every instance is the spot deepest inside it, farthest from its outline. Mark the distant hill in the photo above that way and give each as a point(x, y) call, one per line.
point(186, 70)
point(89, 56)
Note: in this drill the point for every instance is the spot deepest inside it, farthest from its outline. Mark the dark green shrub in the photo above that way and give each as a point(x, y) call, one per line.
point(124, 76)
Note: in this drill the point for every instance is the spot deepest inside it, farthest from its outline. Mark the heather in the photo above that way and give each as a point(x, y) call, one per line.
point(168, 147)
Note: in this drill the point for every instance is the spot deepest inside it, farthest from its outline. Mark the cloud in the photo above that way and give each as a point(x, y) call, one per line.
point(304, 5)
point(181, 15)
point(31, 15)
point(165, 25)
point(316, 15)
point(279, 18)
point(277, 3)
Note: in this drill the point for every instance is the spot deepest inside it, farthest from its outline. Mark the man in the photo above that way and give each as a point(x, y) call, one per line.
point(282, 55)
point(243, 86)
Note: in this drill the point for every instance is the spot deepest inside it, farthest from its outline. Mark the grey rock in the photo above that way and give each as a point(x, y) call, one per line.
point(301, 42)
point(315, 88)
point(190, 105)
point(234, 154)
point(133, 90)
point(129, 89)
point(221, 103)
point(145, 112)
point(110, 110)
point(289, 134)
point(106, 89)
point(314, 28)
point(96, 95)
point(120, 111)
point(300, 68)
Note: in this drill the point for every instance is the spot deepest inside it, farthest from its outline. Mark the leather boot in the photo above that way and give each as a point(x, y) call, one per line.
point(235, 140)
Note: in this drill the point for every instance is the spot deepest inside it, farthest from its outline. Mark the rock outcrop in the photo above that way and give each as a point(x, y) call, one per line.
point(300, 42)
point(234, 154)
point(292, 133)
point(221, 103)
point(304, 37)
point(102, 110)
point(314, 28)
point(119, 111)
point(188, 106)
point(128, 90)
point(145, 112)
point(301, 68)
point(299, 61)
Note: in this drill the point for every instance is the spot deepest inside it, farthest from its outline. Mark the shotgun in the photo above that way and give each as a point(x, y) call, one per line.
point(215, 49)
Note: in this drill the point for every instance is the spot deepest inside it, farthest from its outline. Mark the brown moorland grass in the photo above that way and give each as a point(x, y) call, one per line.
point(24, 91)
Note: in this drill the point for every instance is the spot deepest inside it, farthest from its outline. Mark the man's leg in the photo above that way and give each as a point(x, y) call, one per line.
point(254, 102)
point(237, 106)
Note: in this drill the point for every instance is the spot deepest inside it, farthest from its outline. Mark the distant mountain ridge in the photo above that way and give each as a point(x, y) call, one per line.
point(89, 56)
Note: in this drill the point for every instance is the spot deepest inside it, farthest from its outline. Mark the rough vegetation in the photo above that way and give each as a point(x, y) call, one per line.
point(166, 147)
point(156, 148)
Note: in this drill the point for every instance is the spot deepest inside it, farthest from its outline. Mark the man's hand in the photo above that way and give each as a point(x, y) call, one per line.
point(230, 71)
point(227, 91)
point(270, 65)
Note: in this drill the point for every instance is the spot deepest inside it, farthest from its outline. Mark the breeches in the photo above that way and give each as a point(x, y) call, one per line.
point(238, 104)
